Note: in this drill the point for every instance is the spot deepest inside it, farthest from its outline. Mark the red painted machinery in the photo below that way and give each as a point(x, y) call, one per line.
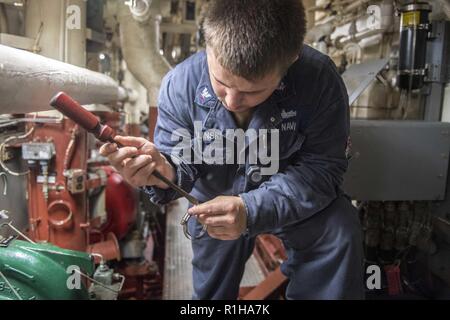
point(121, 205)
point(59, 186)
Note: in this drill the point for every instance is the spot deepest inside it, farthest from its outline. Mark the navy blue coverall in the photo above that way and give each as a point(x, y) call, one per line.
point(302, 204)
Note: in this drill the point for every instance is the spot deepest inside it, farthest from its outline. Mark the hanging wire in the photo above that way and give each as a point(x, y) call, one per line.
point(10, 286)
point(2, 147)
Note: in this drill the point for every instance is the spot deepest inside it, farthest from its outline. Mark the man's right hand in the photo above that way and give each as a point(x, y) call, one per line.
point(137, 160)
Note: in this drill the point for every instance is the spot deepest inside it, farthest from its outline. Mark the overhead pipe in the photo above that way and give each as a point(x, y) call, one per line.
point(319, 31)
point(383, 26)
point(358, 36)
point(310, 14)
point(445, 4)
point(355, 5)
point(28, 81)
point(3, 21)
point(139, 37)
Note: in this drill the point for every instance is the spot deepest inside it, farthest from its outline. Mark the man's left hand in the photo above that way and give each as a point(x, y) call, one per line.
point(225, 217)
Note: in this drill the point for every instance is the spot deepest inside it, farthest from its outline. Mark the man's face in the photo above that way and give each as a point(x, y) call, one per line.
point(238, 94)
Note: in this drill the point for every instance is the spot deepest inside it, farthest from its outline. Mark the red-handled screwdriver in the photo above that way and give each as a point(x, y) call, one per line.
point(74, 111)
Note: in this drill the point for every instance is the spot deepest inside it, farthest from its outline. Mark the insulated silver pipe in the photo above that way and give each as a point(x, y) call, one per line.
point(138, 39)
point(28, 81)
point(445, 4)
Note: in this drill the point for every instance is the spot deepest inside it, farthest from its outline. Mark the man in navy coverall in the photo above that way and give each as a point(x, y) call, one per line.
point(255, 74)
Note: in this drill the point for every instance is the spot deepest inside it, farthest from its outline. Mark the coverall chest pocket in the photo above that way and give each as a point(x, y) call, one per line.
point(210, 149)
point(278, 158)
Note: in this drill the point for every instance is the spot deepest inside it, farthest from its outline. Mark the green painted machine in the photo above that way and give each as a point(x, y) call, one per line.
point(42, 271)
point(30, 271)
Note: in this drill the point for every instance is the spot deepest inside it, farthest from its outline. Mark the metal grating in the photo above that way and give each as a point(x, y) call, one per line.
point(253, 274)
point(178, 268)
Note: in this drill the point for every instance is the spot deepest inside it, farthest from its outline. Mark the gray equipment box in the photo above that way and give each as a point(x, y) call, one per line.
point(398, 160)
